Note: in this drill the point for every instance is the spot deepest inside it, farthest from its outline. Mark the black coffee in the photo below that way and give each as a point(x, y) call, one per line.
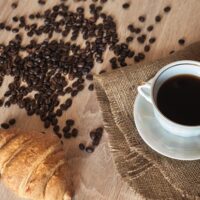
point(179, 99)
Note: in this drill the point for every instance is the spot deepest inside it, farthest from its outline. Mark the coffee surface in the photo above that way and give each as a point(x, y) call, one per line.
point(179, 99)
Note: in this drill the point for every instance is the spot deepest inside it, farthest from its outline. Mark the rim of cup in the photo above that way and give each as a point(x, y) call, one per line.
point(155, 78)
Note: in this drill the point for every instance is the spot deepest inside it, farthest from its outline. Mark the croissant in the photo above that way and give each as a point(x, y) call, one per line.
point(33, 165)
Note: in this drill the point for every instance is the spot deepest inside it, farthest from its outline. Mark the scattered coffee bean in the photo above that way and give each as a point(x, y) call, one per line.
point(181, 41)
point(42, 2)
point(167, 9)
point(12, 121)
point(131, 28)
point(70, 122)
point(146, 48)
point(14, 5)
point(67, 135)
point(47, 124)
point(137, 30)
point(129, 39)
point(81, 146)
point(171, 52)
point(56, 128)
point(91, 87)
point(150, 28)
point(92, 135)
point(15, 19)
point(126, 5)
point(74, 132)
point(158, 18)
point(5, 126)
point(152, 40)
point(141, 18)
point(141, 56)
point(89, 77)
point(89, 149)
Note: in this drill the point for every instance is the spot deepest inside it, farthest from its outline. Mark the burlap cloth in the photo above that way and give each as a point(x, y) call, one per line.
point(147, 172)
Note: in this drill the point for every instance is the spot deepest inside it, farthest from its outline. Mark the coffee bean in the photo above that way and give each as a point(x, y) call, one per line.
point(99, 130)
point(74, 132)
point(136, 59)
point(152, 40)
point(89, 149)
point(158, 18)
point(126, 5)
point(137, 30)
point(15, 19)
point(89, 77)
point(150, 28)
point(101, 72)
point(141, 56)
point(5, 126)
point(12, 121)
point(66, 129)
point(131, 28)
point(91, 87)
point(146, 48)
point(59, 112)
point(92, 135)
point(141, 18)
point(167, 9)
point(14, 5)
point(67, 135)
point(129, 39)
point(47, 124)
point(81, 146)
point(56, 128)
point(181, 41)
point(31, 16)
point(41, 2)
point(68, 90)
point(70, 122)
point(74, 93)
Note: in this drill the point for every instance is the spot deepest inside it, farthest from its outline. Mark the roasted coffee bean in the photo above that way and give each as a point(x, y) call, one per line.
point(80, 87)
point(70, 122)
point(15, 19)
point(81, 146)
point(74, 132)
point(66, 129)
point(171, 52)
point(89, 149)
point(12, 121)
point(99, 130)
point(181, 41)
point(67, 135)
point(47, 124)
point(91, 87)
point(74, 93)
point(14, 5)
point(137, 30)
point(158, 18)
point(59, 112)
point(56, 128)
point(126, 5)
point(5, 125)
point(101, 72)
point(146, 48)
point(152, 40)
point(136, 59)
point(141, 56)
point(167, 9)
point(54, 121)
point(129, 39)
point(131, 28)
point(141, 18)
point(59, 136)
point(96, 141)
point(31, 16)
point(42, 2)
point(89, 77)
point(150, 28)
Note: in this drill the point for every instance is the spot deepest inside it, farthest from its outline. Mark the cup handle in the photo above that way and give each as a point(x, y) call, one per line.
point(145, 91)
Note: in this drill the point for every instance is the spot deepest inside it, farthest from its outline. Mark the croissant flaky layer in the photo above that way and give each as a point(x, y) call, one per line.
point(33, 165)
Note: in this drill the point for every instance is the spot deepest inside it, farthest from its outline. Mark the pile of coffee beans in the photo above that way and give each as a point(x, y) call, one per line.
point(47, 70)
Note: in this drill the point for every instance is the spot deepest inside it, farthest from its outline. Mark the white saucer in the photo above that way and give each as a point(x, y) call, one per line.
point(162, 141)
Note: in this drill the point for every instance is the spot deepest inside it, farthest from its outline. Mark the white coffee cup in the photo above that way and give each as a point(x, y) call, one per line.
point(150, 90)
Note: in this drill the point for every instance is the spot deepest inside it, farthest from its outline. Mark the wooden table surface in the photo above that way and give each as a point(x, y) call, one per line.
point(94, 174)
